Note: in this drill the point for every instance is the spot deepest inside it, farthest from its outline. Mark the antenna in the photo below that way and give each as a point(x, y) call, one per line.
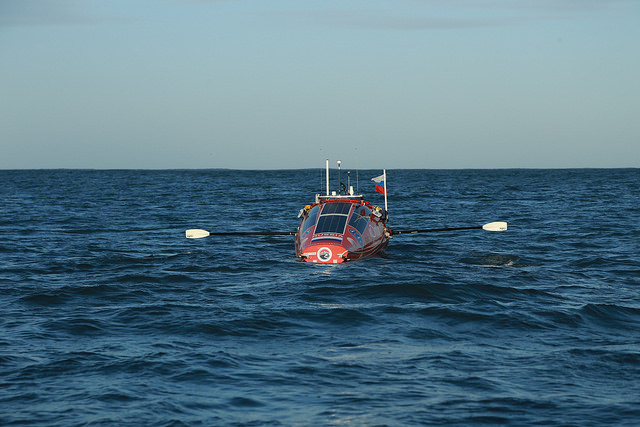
point(339, 165)
point(357, 169)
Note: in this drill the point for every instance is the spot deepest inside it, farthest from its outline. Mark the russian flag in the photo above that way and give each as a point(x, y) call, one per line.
point(379, 180)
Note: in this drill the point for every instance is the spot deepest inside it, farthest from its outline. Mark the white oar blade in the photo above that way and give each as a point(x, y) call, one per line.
point(495, 226)
point(196, 233)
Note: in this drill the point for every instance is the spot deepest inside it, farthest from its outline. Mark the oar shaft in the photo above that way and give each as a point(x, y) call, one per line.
point(434, 230)
point(253, 233)
point(492, 226)
point(196, 233)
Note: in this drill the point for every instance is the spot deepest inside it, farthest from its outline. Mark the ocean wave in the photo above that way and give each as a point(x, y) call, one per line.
point(110, 316)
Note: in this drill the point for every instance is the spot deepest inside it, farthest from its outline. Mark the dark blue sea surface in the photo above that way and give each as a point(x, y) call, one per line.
point(110, 316)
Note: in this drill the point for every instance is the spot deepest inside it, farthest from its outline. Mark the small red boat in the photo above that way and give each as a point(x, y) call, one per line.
point(341, 227)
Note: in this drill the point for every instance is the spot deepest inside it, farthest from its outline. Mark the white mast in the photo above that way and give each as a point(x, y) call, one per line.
point(327, 176)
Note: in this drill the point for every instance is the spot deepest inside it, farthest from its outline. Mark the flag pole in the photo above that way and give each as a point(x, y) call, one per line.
point(384, 174)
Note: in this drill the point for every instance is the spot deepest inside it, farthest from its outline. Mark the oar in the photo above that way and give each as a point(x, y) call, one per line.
point(196, 233)
point(492, 226)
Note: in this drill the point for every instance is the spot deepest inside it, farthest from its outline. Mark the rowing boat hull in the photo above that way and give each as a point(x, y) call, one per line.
point(338, 230)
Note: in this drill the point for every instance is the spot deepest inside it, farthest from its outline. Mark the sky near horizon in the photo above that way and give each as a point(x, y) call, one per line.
point(284, 84)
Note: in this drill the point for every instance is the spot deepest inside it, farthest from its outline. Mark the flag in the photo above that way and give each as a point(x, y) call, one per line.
point(379, 180)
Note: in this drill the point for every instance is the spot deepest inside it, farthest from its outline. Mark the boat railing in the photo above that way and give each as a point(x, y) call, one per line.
point(335, 195)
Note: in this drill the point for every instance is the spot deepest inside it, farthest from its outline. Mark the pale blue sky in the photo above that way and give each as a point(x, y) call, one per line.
point(285, 84)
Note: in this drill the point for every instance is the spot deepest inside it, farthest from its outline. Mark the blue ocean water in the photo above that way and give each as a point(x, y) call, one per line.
point(110, 316)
